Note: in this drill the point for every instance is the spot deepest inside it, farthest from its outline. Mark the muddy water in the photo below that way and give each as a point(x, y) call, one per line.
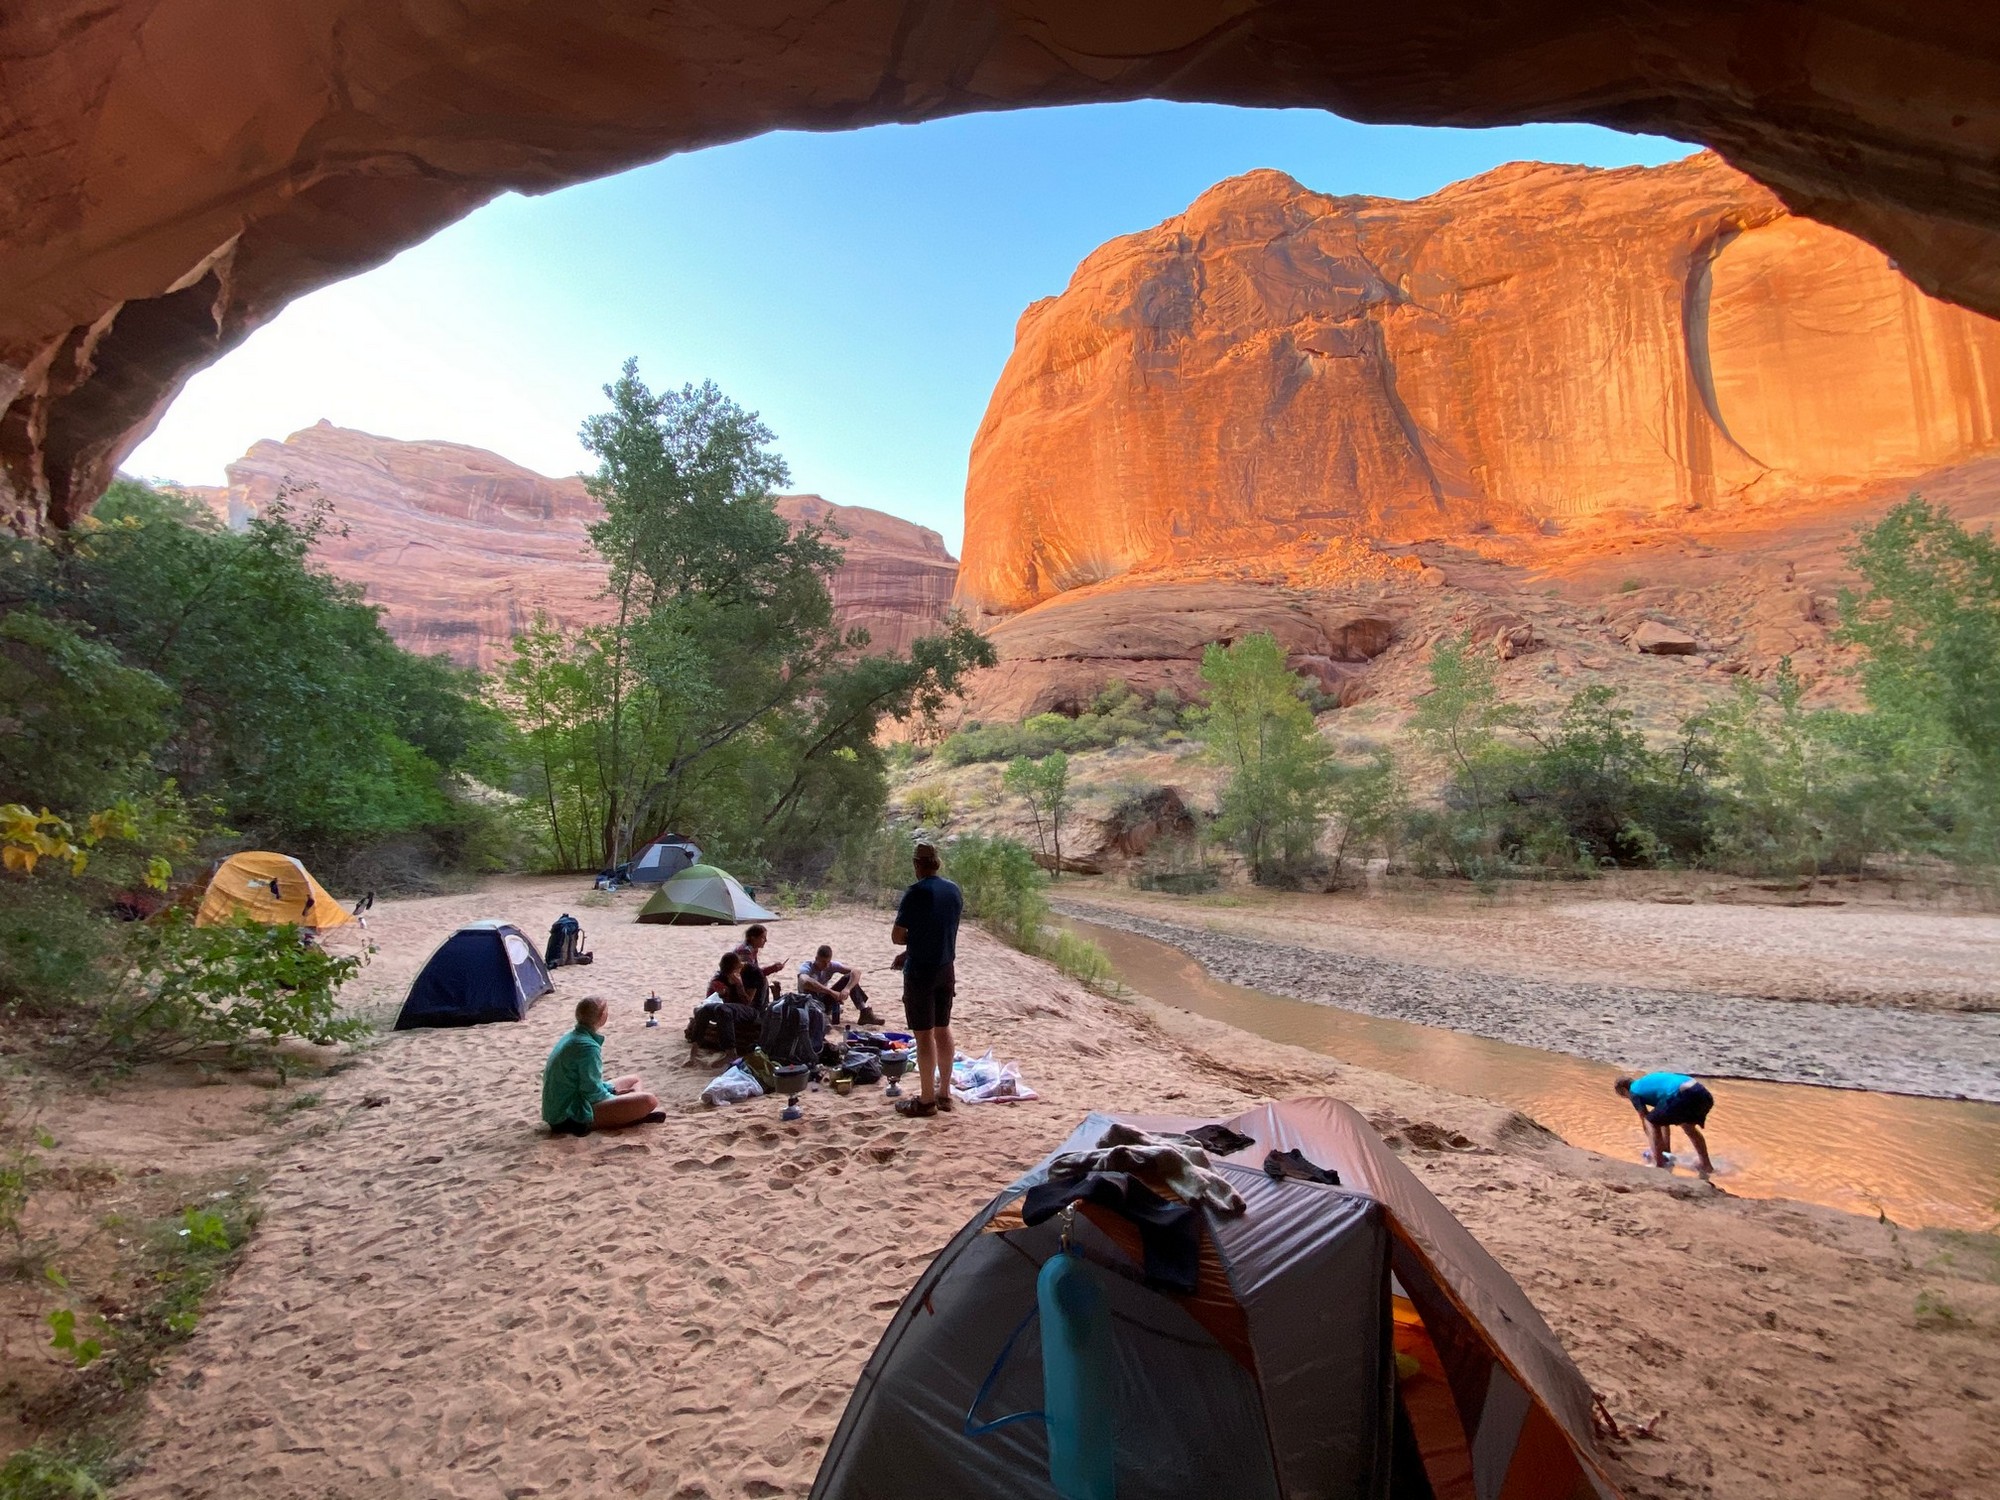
point(1933, 1162)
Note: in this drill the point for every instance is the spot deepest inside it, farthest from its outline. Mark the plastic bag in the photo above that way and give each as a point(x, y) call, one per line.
point(1005, 1089)
point(732, 1086)
point(970, 1073)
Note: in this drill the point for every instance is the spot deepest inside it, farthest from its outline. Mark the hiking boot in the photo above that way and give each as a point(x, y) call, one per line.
point(868, 1018)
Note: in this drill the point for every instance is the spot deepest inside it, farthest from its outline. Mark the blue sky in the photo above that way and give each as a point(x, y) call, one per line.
point(860, 289)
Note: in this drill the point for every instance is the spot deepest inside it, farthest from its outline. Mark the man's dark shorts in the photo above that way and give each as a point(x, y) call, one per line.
point(1689, 1107)
point(927, 996)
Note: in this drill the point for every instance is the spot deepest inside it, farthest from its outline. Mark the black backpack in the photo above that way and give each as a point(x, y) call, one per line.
point(794, 1030)
point(565, 943)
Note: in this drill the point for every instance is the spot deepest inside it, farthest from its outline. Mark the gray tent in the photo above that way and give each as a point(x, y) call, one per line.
point(1350, 1341)
point(661, 860)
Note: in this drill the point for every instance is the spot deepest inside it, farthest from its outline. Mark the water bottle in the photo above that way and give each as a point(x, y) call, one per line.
point(1078, 1380)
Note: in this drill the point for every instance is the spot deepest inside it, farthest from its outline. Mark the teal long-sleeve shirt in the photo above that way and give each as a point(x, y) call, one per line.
point(573, 1079)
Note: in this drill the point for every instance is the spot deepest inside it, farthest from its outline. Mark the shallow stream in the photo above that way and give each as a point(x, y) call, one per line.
point(1922, 1162)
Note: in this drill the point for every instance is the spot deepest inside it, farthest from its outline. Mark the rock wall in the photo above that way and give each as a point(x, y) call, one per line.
point(176, 171)
point(1285, 377)
point(462, 549)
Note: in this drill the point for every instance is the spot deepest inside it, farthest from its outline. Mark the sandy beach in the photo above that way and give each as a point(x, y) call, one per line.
point(441, 1300)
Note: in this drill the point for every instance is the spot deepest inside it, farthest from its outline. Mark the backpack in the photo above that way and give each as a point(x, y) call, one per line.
point(794, 1030)
point(565, 943)
point(704, 1027)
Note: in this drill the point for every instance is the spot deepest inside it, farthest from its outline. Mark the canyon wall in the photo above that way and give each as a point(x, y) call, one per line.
point(1285, 380)
point(176, 171)
point(462, 549)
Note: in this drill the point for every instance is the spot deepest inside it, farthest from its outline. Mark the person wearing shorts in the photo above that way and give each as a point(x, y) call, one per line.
point(927, 927)
point(1665, 1100)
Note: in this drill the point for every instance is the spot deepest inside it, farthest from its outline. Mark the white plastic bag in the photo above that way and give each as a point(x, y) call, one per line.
point(732, 1086)
point(971, 1073)
point(1005, 1087)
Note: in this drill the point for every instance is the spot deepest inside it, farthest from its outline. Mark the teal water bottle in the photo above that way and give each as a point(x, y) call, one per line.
point(1078, 1373)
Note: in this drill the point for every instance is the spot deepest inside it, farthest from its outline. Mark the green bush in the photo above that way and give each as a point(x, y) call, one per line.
point(1080, 959)
point(37, 1474)
point(240, 987)
point(1116, 716)
point(1005, 890)
point(56, 948)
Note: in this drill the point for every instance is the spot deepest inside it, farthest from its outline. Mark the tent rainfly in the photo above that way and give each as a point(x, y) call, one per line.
point(703, 894)
point(661, 860)
point(485, 971)
point(268, 888)
point(1349, 1342)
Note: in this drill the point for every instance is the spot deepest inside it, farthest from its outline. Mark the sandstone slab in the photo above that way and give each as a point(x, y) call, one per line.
point(1656, 638)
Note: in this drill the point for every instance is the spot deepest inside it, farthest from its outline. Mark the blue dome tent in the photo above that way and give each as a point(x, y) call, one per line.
point(485, 971)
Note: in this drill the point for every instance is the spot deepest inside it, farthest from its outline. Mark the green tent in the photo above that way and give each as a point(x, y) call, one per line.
point(702, 894)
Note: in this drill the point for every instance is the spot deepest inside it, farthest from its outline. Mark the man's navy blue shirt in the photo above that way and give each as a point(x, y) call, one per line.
point(929, 913)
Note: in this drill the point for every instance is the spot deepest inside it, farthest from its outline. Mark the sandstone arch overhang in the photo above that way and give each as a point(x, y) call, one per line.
point(175, 171)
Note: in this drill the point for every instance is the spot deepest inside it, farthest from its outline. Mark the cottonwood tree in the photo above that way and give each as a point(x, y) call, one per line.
point(1044, 785)
point(1258, 725)
point(722, 696)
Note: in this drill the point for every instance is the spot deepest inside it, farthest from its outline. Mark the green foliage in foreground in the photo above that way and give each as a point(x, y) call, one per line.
point(1117, 716)
point(238, 988)
point(38, 1474)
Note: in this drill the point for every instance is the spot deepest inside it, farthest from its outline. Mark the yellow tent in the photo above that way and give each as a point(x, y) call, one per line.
point(269, 888)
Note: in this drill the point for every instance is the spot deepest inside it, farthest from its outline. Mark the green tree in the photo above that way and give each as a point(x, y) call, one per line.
point(288, 707)
point(1928, 618)
point(1258, 726)
point(1044, 785)
point(1458, 720)
point(722, 697)
point(1811, 791)
point(1368, 803)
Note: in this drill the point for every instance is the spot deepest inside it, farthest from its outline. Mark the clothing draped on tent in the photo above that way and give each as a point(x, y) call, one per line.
point(1346, 1341)
point(270, 888)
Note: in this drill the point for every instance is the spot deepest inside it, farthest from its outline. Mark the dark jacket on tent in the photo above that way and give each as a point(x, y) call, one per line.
point(485, 972)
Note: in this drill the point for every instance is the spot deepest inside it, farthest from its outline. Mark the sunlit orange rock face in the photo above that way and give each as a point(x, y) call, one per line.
point(1285, 379)
point(463, 549)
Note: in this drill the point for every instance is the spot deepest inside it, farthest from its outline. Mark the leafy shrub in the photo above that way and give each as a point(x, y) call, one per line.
point(239, 987)
point(930, 805)
point(1116, 716)
point(1080, 959)
point(1004, 888)
point(37, 1474)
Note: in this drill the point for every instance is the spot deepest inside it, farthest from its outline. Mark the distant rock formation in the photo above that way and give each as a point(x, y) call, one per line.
point(462, 549)
point(1285, 380)
point(897, 580)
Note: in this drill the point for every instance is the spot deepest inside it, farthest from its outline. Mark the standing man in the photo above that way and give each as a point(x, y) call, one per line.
point(927, 926)
point(1665, 1100)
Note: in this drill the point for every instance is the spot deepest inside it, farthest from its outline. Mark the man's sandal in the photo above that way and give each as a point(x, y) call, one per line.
point(916, 1109)
point(944, 1104)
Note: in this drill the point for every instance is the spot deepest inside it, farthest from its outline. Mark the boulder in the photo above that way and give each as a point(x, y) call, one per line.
point(1656, 638)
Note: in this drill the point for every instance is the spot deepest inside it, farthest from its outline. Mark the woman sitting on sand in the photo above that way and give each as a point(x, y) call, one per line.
point(739, 1023)
point(575, 1098)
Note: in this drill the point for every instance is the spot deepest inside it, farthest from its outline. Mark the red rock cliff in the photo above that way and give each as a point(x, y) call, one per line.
point(462, 548)
point(1540, 350)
